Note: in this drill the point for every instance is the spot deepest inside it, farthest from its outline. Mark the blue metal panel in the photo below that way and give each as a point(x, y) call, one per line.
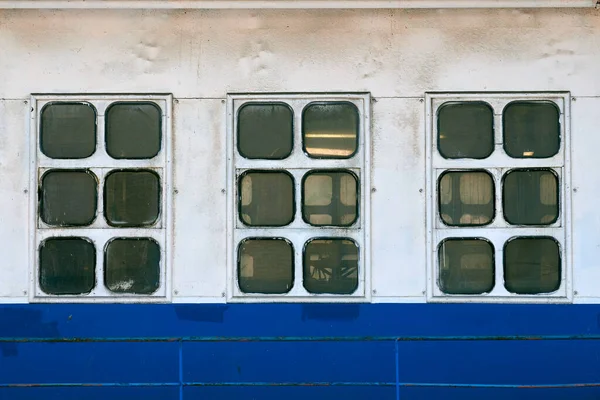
point(295, 320)
point(449, 393)
point(289, 393)
point(292, 362)
point(525, 362)
point(90, 363)
point(290, 351)
point(90, 393)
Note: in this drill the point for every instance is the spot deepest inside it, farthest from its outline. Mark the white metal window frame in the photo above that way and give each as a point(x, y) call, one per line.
point(298, 164)
point(498, 232)
point(100, 163)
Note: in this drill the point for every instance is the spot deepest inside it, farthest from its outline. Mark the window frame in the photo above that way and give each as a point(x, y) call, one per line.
point(99, 232)
point(298, 164)
point(498, 232)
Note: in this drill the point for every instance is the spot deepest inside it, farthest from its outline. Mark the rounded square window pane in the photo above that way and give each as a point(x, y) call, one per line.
point(265, 266)
point(131, 198)
point(68, 130)
point(265, 131)
point(67, 266)
point(532, 265)
point(331, 266)
point(466, 266)
point(266, 198)
point(465, 130)
point(530, 197)
point(531, 129)
point(330, 198)
point(133, 130)
point(68, 197)
point(132, 265)
point(466, 198)
point(330, 130)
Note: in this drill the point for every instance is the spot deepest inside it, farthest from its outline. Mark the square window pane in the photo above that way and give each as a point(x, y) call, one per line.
point(466, 266)
point(532, 265)
point(530, 197)
point(531, 129)
point(265, 131)
point(465, 130)
point(331, 266)
point(132, 265)
point(68, 130)
point(131, 198)
point(330, 198)
point(68, 198)
point(133, 130)
point(266, 198)
point(265, 266)
point(330, 130)
point(67, 266)
point(466, 198)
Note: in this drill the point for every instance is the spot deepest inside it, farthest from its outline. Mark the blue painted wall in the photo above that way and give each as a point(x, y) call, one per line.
point(299, 351)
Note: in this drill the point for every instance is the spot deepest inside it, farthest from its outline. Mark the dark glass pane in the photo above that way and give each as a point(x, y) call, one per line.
point(466, 266)
point(265, 131)
point(465, 130)
point(330, 198)
point(68, 198)
point(131, 198)
point(531, 129)
point(266, 198)
point(466, 198)
point(67, 266)
point(68, 130)
point(532, 265)
point(132, 266)
point(265, 266)
point(133, 130)
point(530, 197)
point(330, 130)
point(331, 266)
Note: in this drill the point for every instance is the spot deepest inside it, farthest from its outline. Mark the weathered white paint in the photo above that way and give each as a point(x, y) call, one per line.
point(202, 55)
point(289, 4)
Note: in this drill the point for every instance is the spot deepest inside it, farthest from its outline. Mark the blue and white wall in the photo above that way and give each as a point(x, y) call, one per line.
point(191, 349)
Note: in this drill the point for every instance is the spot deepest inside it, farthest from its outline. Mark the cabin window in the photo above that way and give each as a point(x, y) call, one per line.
point(299, 166)
point(265, 131)
point(499, 206)
point(102, 167)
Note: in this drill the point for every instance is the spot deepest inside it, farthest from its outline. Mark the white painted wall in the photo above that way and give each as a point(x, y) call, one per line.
point(200, 56)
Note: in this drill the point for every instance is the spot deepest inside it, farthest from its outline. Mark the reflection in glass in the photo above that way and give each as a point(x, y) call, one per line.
point(133, 130)
point(331, 266)
point(68, 130)
point(530, 197)
point(265, 131)
point(466, 266)
point(68, 197)
point(465, 130)
point(531, 129)
point(532, 265)
point(330, 130)
point(131, 198)
point(266, 198)
point(466, 198)
point(132, 265)
point(67, 266)
point(266, 266)
point(330, 198)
